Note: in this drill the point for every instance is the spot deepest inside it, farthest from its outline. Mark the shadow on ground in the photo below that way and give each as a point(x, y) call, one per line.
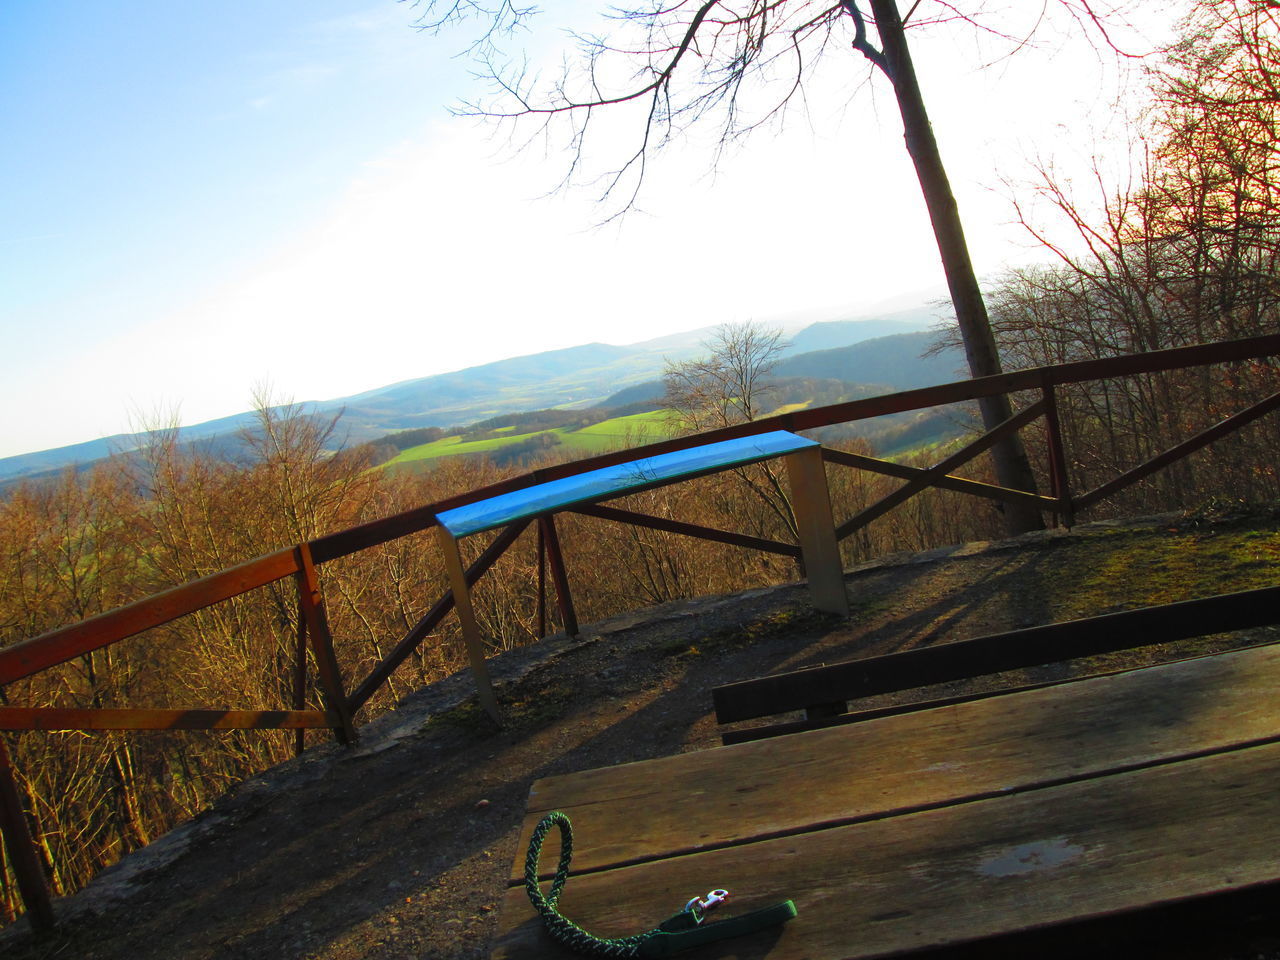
point(401, 847)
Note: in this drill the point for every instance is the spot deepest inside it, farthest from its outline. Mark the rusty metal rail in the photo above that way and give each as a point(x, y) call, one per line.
point(58, 646)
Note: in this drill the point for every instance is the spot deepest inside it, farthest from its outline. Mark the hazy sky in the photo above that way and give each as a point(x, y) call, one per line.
point(198, 198)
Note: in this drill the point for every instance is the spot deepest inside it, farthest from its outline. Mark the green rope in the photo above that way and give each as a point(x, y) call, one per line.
point(560, 927)
point(681, 931)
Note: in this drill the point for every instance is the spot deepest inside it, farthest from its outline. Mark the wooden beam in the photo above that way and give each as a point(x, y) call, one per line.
point(470, 628)
point(748, 734)
point(300, 676)
point(1175, 453)
point(933, 474)
point(23, 857)
point(811, 501)
point(1061, 476)
point(311, 603)
point(961, 485)
point(541, 554)
point(58, 646)
point(1015, 650)
point(559, 576)
point(420, 630)
point(146, 718)
point(689, 529)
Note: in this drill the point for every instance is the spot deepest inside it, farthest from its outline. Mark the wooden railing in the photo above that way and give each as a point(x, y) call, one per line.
point(31, 656)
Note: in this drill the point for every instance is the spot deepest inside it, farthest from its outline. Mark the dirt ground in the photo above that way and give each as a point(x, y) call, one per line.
point(399, 847)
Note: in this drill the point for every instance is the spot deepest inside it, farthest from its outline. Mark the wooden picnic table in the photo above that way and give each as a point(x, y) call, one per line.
point(938, 827)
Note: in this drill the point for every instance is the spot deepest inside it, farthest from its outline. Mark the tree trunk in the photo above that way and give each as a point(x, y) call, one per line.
point(1012, 467)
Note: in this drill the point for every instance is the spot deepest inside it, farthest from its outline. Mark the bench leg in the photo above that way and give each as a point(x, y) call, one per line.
point(564, 599)
point(812, 502)
point(467, 617)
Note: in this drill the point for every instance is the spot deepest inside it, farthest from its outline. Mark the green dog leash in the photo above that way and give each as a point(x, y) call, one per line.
point(681, 931)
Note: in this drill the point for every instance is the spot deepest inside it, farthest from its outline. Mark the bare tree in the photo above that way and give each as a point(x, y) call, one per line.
point(1187, 252)
point(743, 64)
point(730, 384)
point(727, 386)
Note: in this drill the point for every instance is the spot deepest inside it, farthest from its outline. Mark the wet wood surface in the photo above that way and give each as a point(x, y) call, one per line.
point(939, 827)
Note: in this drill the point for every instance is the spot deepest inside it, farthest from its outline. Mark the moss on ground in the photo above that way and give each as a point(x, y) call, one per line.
point(791, 622)
point(1128, 569)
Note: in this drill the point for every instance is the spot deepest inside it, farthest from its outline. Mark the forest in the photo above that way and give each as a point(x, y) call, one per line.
point(1188, 252)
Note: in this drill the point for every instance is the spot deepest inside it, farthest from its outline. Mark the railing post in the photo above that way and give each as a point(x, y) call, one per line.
point(807, 478)
point(22, 850)
point(564, 599)
point(300, 675)
point(467, 618)
point(1058, 474)
point(317, 625)
point(542, 584)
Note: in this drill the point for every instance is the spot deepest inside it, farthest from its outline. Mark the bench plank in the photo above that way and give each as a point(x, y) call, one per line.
point(961, 873)
point(728, 795)
point(616, 481)
point(980, 656)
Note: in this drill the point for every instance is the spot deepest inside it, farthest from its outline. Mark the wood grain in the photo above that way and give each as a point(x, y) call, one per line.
point(807, 481)
point(958, 874)
point(888, 766)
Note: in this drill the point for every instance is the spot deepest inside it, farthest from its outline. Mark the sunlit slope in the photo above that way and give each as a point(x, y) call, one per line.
point(613, 434)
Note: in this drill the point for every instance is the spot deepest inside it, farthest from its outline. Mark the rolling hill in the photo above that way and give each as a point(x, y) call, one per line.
point(594, 374)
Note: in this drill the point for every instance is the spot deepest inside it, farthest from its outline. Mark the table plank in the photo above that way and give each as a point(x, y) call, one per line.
point(729, 795)
point(960, 873)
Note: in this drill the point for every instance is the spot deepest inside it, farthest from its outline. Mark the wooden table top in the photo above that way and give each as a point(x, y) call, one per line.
point(936, 827)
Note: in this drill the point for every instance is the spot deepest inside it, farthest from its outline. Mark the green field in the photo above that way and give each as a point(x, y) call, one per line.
point(618, 433)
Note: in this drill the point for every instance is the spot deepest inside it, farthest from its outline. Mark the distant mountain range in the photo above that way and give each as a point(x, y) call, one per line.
point(582, 376)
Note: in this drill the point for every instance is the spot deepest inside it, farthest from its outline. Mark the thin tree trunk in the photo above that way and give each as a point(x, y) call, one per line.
point(1012, 467)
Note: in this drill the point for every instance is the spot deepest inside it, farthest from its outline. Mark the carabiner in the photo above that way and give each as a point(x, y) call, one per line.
point(713, 899)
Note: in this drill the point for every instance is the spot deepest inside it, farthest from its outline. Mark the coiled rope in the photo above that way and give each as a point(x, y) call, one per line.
point(678, 932)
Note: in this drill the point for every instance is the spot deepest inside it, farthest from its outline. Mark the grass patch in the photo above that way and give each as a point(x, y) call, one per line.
point(634, 430)
point(791, 408)
point(1124, 570)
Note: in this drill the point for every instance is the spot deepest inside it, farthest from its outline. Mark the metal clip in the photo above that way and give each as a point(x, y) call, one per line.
point(713, 899)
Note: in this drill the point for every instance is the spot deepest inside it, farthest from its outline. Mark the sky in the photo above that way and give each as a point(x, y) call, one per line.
point(197, 201)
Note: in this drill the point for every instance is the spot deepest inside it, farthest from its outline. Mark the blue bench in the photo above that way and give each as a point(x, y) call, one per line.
point(810, 500)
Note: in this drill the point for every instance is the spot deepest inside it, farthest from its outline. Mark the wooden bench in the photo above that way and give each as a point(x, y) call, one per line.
point(810, 498)
point(824, 693)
